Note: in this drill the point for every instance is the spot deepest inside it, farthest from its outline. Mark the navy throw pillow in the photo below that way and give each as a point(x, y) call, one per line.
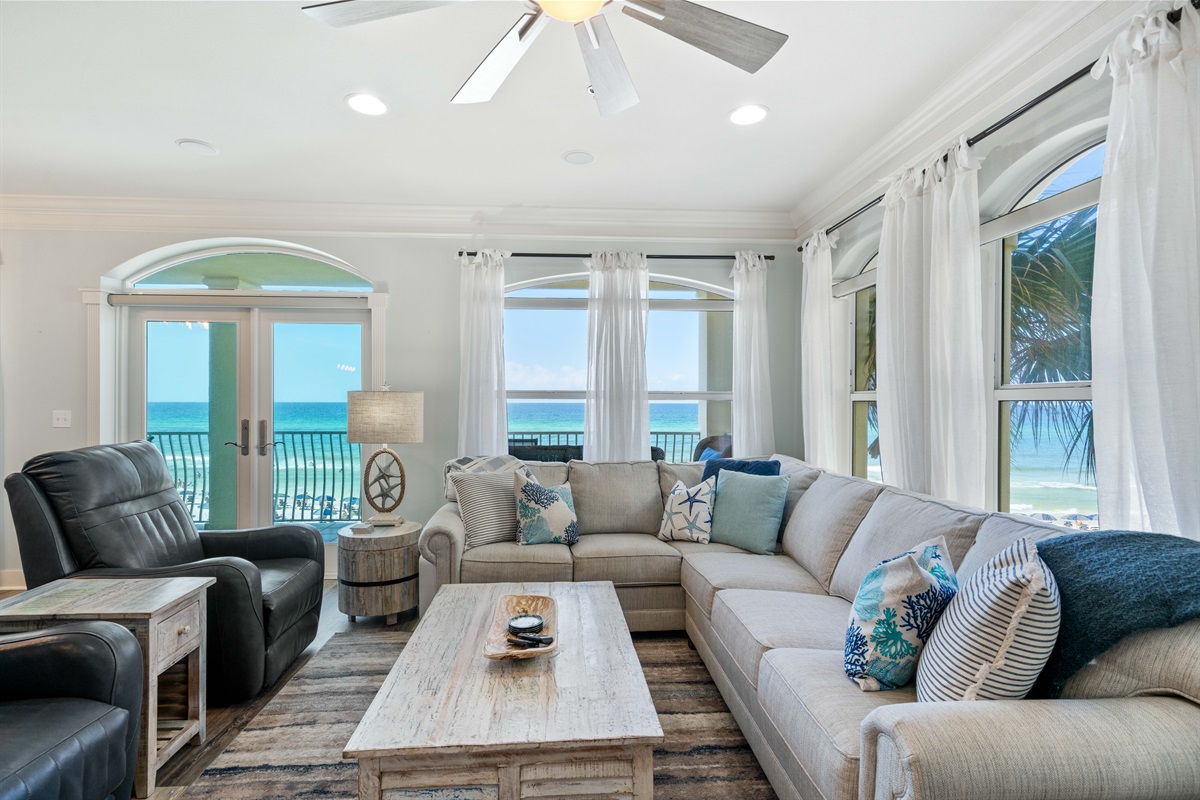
point(714, 466)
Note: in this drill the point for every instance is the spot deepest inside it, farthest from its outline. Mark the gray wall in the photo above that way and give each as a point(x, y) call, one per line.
point(44, 337)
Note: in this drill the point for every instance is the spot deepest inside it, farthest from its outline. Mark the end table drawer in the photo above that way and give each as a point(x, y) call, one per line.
point(178, 632)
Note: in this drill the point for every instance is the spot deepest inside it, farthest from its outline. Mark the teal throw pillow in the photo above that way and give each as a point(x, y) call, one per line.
point(545, 514)
point(748, 509)
point(894, 614)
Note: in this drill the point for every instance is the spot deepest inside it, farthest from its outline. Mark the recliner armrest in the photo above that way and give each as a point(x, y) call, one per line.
point(260, 544)
point(1118, 749)
point(442, 542)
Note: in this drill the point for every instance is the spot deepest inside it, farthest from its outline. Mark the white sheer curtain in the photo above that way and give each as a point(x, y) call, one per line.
point(616, 419)
point(1146, 290)
point(753, 417)
point(933, 376)
point(482, 410)
point(824, 443)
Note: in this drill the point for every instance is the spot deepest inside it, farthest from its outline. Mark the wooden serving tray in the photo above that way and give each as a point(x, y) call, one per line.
point(496, 645)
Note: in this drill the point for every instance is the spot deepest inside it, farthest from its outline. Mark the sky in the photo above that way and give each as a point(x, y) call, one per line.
point(314, 363)
point(319, 363)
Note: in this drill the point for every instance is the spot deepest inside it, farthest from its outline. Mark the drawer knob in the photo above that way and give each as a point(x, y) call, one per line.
point(185, 629)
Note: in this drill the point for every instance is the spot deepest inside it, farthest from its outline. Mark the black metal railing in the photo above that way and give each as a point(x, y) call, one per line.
point(678, 445)
point(316, 474)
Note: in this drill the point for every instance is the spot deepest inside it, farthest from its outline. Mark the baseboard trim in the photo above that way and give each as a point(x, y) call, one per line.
point(12, 580)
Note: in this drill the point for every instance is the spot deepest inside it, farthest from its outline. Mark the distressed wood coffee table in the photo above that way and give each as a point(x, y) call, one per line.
point(577, 722)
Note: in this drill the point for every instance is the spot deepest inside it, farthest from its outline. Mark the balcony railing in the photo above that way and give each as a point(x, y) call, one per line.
point(678, 445)
point(316, 474)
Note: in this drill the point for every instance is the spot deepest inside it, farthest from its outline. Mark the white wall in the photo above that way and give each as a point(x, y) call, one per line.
point(43, 339)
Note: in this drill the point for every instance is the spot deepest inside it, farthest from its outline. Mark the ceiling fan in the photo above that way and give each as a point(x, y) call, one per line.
point(743, 44)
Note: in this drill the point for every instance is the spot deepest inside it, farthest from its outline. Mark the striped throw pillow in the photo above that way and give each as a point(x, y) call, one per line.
point(480, 464)
point(997, 633)
point(488, 507)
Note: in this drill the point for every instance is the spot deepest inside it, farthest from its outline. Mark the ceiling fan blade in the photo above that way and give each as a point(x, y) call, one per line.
point(491, 72)
point(611, 84)
point(743, 44)
point(341, 13)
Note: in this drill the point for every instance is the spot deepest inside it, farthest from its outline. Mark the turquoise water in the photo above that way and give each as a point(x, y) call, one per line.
point(1039, 480)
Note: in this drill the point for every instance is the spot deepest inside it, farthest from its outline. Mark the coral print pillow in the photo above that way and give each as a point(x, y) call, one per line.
point(689, 512)
point(894, 613)
point(545, 514)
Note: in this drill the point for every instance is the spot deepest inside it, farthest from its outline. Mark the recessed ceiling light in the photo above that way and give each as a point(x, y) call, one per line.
point(196, 146)
point(578, 157)
point(748, 115)
point(366, 104)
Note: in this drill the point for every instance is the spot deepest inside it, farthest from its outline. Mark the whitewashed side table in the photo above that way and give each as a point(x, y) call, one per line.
point(377, 571)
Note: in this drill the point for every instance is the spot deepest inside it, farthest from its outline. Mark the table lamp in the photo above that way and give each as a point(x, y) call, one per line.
point(381, 418)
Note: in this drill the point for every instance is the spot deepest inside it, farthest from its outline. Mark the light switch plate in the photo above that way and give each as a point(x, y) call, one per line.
point(61, 419)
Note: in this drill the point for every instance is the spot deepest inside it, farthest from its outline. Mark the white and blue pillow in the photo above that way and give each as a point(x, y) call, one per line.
point(997, 634)
point(894, 613)
point(688, 512)
point(545, 514)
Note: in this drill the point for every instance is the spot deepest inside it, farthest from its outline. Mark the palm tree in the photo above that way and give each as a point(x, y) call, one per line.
point(1049, 341)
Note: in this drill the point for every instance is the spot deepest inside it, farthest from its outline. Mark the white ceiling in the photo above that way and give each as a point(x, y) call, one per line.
point(94, 94)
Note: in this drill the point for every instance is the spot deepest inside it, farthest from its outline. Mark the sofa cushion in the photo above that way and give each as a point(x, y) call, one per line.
point(800, 476)
point(626, 559)
point(291, 587)
point(997, 532)
point(118, 506)
point(689, 548)
point(509, 561)
point(897, 522)
point(548, 473)
point(669, 474)
point(824, 519)
point(621, 497)
point(817, 714)
point(62, 748)
point(1159, 661)
point(704, 574)
point(750, 622)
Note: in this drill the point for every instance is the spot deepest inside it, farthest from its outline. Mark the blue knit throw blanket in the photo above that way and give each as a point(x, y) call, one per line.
point(1112, 584)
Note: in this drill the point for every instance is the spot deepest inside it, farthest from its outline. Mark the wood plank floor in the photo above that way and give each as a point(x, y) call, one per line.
point(225, 723)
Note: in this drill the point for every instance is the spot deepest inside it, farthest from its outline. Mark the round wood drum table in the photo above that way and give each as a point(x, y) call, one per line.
point(377, 571)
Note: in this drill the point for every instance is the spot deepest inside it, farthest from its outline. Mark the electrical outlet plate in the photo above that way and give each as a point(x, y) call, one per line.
point(61, 419)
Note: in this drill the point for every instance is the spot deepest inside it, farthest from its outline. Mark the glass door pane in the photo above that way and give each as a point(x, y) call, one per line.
point(191, 411)
point(315, 474)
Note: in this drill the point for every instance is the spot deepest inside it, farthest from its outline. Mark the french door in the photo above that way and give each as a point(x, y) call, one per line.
point(248, 406)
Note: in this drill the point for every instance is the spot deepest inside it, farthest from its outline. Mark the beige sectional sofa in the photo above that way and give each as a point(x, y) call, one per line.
point(771, 631)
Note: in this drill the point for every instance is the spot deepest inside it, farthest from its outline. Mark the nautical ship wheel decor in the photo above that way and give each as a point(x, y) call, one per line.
point(384, 482)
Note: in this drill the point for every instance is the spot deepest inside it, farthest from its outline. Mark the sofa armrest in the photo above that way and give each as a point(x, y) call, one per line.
point(94, 660)
point(260, 544)
point(1118, 749)
point(443, 541)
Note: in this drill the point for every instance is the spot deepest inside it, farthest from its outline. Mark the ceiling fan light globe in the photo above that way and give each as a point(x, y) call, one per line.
point(571, 10)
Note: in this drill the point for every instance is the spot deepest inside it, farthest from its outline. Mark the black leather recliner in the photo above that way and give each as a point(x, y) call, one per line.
point(112, 511)
point(70, 710)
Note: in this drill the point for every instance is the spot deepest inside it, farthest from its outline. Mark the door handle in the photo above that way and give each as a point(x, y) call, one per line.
point(244, 444)
point(263, 444)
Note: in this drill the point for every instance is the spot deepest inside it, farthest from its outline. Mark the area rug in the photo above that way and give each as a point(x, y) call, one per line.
point(292, 749)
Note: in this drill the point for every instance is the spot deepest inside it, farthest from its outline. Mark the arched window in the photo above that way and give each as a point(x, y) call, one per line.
point(1046, 251)
point(265, 266)
point(689, 364)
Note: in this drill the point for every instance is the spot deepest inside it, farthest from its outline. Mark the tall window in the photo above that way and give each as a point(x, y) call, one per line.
point(864, 412)
point(1046, 455)
point(689, 364)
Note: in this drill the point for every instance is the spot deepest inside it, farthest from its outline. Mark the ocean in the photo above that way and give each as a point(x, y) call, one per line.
point(1038, 481)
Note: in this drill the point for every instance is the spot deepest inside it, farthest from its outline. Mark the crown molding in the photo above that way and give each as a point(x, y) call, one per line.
point(51, 212)
point(994, 83)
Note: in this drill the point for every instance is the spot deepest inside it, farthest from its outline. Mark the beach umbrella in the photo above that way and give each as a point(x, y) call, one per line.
point(1077, 517)
point(1092, 516)
point(1042, 515)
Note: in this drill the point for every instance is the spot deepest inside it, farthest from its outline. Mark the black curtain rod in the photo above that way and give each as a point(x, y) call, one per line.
point(1174, 16)
point(589, 255)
